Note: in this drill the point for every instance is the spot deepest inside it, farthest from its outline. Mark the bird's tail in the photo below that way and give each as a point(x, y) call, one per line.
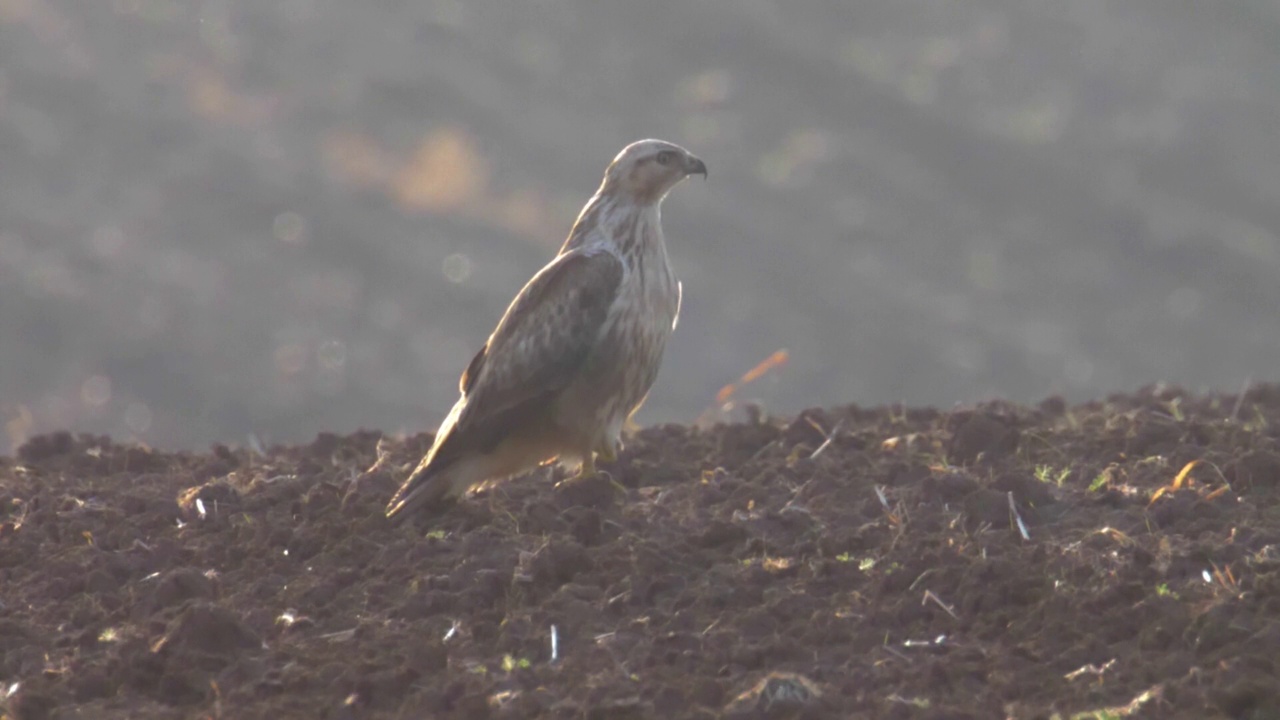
point(431, 483)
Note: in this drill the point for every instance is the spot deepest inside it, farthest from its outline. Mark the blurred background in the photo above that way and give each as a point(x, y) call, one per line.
point(237, 217)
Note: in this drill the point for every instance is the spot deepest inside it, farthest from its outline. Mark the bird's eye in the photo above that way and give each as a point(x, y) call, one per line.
point(664, 157)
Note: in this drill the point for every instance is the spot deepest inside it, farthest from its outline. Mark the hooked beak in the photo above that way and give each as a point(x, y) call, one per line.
point(695, 166)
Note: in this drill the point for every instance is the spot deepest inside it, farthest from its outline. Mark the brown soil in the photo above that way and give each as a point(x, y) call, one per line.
point(733, 572)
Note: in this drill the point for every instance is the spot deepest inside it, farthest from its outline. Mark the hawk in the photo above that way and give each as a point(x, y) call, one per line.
point(577, 350)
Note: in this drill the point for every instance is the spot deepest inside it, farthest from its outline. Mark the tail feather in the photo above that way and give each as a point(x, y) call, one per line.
point(429, 484)
point(448, 476)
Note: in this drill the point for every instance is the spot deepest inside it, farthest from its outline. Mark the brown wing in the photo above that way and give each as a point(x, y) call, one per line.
point(536, 350)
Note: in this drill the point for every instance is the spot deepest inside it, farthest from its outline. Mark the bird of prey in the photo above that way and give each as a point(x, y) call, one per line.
point(577, 350)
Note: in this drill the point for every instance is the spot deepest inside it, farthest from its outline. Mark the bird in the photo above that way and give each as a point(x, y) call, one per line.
point(577, 350)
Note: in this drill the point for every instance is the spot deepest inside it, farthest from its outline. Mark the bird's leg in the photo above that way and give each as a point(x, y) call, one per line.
point(608, 451)
point(585, 470)
point(588, 467)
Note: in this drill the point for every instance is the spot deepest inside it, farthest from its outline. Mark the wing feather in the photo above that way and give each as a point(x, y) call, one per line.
point(536, 350)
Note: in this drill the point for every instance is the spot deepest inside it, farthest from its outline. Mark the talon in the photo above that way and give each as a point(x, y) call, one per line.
point(586, 470)
point(617, 486)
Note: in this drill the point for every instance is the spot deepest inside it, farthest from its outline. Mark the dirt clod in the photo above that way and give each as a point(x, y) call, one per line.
point(208, 629)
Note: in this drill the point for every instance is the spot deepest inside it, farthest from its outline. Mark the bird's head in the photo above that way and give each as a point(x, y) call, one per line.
point(646, 170)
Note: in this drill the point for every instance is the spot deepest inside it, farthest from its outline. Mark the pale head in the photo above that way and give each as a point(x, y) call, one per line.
point(646, 170)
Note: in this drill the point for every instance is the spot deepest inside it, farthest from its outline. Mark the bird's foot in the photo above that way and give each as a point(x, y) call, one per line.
point(617, 486)
point(609, 454)
point(586, 470)
point(596, 490)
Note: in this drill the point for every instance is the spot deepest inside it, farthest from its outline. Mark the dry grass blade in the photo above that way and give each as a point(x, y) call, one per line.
point(826, 443)
point(1178, 481)
point(1219, 492)
point(340, 635)
point(1182, 474)
point(884, 499)
point(1224, 577)
point(1091, 669)
point(930, 596)
point(1244, 389)
point(1022, 527)
point(776, 360)
point(1119, 536)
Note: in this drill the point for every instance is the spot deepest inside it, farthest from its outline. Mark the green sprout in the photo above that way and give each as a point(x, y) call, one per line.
point(1045, 474)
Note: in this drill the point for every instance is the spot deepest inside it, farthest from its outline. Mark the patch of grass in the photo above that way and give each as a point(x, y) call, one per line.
point(1046, 474)
point(510, 663)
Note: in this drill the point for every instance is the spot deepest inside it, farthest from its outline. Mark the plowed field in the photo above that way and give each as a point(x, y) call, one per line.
point(995, 561)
